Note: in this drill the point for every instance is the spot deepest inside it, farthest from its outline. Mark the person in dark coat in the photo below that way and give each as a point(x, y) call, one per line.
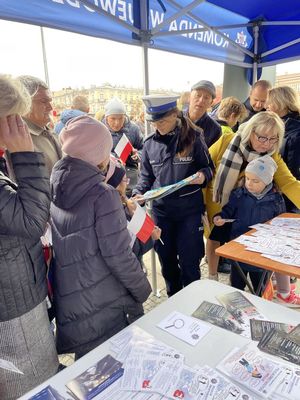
point(118, 124)
point(202, 96)
point(285, 102)
point(97, 278)
point(256, 202)
point(173, 152)
point(25, 336)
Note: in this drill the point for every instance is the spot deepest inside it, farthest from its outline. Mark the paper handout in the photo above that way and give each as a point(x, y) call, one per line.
point(188, 329)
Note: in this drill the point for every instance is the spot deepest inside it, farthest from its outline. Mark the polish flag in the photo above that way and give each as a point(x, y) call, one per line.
point(123, 148)
point(141, 225)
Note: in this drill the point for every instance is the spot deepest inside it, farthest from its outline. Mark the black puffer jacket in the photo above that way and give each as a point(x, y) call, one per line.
point(291, 143)
point(97, 278)
point(24, 211)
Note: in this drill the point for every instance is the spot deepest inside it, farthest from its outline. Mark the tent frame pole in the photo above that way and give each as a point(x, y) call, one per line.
point(46, 72)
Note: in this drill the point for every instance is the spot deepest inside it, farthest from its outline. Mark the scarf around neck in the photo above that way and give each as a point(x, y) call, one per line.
point(230, 167)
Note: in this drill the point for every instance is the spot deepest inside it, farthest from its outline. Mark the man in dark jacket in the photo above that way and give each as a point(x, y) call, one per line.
point(202, 95)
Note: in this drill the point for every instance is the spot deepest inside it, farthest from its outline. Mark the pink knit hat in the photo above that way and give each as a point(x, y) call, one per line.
point(85, 138)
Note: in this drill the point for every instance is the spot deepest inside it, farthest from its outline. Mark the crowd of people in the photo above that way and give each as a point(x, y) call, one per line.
point(245, 157)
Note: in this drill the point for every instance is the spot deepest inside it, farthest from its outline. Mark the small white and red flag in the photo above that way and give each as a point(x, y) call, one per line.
point(141, 225)
point(123, 148)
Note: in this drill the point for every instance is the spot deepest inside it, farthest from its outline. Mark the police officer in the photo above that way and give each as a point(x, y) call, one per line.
point(173, 152)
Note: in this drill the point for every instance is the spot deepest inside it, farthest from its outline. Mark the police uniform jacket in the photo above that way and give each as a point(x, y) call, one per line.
point(161, 166)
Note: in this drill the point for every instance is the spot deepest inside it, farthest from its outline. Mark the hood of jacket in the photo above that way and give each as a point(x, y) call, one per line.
point(69, 114)
point(71, 179)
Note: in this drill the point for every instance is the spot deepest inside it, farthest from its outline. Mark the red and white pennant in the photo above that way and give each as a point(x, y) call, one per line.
point(123, 148)
point(141, 225)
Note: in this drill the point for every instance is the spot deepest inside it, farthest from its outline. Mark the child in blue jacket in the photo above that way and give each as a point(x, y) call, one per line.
point(256, 202)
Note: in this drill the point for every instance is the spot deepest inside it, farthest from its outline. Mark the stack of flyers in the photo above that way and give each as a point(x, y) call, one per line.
point(251, 369)
point(96, 378)
point(48, 393)
point(279, 344)
point(259, 328)
point(289, 388)
point(219, 316)
point(241, 309)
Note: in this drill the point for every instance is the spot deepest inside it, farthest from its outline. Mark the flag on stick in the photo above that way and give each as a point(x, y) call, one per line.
point(141, 225)
point(123, 148)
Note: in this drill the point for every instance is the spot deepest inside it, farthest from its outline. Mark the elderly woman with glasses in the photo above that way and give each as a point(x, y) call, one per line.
point(262, 134)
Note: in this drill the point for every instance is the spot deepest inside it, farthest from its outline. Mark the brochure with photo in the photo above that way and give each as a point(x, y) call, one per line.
point(241, 308)
point(279, 344)
point(163, 191)
point(259, 328)
point(219, 316)
point(48, 393)
point(96, 378)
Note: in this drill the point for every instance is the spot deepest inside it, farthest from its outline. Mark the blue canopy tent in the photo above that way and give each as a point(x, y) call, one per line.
point(250, 34)
point(246, 33)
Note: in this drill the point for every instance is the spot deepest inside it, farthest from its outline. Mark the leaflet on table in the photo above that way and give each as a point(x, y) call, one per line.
point(163, 191)
point(96, 378)
point(253, 370)
point(289, 388)
point(279, 344)
point(259, 328)
point(219, 316)
point(186, 328)
point(9, 366)
point(48, 393)
point(241, 309)
point(291, 223)
point(294, 334)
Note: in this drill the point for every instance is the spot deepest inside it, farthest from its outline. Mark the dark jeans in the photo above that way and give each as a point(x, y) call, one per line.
point(182, 251)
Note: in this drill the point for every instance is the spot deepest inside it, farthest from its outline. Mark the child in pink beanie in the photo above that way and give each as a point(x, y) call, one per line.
point(98, 280)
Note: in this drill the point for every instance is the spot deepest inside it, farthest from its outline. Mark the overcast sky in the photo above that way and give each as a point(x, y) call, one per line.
point(80, 61)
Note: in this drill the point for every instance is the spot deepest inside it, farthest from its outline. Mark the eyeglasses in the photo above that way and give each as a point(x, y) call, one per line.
point(264, 139)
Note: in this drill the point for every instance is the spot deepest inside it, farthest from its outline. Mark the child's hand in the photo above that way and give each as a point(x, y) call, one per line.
point(156, 234)
point(139, 198)
point(131, 206)
point(218, 221)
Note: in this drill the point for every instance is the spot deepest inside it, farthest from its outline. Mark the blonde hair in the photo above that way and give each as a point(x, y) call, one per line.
point(260, 123)
point(231, 105)
point(14, 97)
point(81, 103)
point(284, 97)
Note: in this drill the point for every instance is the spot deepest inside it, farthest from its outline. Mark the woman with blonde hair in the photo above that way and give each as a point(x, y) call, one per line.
point(261, 135)
point(25, 336)
point(285, 102)
point(230, 112)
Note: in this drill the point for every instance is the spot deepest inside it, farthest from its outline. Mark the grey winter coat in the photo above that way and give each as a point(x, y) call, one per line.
point(24, 212)
point(97, 278)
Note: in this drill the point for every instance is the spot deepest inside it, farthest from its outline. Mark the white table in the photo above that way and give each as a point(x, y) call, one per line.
point(210, 350)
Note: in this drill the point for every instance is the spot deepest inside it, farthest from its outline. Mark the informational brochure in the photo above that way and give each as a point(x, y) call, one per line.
point(289, 388)
point(219, 316)
point(96, 378)
point(9, 366)
point(48, 393)
point(259, 328)
point(163, 191)
point(279, 344)
point(253, 370)
point(186, 328)
point(241, 308)
point(294, 334)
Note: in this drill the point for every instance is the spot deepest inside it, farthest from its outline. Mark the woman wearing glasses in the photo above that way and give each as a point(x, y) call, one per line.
point(261, 135)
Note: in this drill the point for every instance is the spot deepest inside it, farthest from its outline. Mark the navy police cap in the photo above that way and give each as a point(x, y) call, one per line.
point(157, 106)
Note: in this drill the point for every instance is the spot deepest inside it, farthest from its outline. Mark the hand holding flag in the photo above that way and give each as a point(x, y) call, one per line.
point(141, 225)
point(124, 148)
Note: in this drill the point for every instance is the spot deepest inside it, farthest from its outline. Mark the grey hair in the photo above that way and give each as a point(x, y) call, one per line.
point(260, 123)
point(14, 97)
point(32, 84)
